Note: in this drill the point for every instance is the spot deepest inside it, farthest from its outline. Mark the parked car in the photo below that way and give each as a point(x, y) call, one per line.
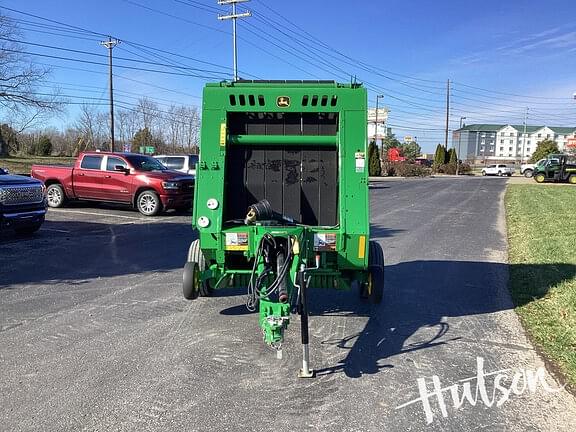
point(527, 170)
point(498, 169)
point(559, 168)
point(129, 178)
point(22, 203)
point(183, 163)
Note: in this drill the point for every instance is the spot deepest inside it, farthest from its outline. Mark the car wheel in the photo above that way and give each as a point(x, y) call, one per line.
point(572, 179)
point(528, 173)
point(148, 203)
point(509, 174)
point(540, 177)
point(484, 173)
point(499, 173)
point(55, 195)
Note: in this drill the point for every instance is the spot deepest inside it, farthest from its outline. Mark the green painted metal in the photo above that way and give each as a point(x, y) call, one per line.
point(348, 260)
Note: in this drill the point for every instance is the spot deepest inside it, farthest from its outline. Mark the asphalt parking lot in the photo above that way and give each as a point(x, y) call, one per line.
point(95, 335)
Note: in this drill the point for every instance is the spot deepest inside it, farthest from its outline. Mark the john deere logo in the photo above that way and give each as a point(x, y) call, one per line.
point(283, 101)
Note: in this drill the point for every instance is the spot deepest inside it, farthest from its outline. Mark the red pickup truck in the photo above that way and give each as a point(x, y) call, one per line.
point(128, 178)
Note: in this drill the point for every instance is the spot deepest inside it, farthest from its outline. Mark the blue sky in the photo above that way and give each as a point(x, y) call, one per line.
point(502, 56)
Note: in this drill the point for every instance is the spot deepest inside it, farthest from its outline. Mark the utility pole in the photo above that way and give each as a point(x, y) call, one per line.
point(110, 44)
point(234, 16)
point(459, 140)
point(447, 113)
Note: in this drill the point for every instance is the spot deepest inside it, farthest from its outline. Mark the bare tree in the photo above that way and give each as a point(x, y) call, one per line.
point(191, 120)
point(127, 124)
point(148, 113)
point(87, 126)
point(19, 78)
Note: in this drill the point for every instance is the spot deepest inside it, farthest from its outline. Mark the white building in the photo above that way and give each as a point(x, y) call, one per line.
point(507, 142)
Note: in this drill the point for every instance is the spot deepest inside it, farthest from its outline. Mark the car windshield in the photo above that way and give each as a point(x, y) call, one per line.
point(145, 163)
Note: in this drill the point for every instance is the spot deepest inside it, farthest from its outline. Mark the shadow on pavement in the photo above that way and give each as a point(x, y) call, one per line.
point(75, 251)
point(418, 295)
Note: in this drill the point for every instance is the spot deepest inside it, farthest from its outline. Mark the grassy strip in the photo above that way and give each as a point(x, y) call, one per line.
point(542, 254)
point(22, 165)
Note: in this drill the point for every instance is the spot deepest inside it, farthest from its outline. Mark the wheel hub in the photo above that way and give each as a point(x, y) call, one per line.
point(147, 204)
point(54, 197)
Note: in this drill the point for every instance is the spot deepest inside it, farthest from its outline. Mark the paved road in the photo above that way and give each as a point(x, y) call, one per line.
point(94, 334)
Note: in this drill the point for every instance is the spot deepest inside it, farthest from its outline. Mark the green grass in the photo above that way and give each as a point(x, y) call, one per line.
point(542, 253)
point(22, 165)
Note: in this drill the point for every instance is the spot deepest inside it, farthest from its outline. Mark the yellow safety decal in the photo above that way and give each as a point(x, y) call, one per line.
point(236, 247)
point(223, 134)
point(361, 246)
point(296, 247)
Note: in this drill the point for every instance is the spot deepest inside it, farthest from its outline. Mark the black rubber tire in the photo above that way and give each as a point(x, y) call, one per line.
point(484, 173)
point(375, 272)
point(148, 203)
point(509, 175)
point(29, 229)
point(55, 195)
point(190, 281)
point(572, 179)
point(500, 174)
point(196, 256)
point(528, 173)
point(540, 178)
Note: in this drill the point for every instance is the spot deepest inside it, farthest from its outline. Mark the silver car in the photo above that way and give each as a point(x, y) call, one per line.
point(182, 163)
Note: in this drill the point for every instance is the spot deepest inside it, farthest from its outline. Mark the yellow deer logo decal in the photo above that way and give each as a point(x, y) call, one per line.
point(283, 101)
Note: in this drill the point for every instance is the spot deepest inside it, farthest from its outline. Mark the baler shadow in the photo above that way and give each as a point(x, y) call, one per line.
point(421, 301)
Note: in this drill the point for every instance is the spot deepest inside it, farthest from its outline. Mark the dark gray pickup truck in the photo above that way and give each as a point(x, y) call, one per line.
point(22, 203)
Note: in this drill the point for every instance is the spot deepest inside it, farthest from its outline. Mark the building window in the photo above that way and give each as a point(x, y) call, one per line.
point(510, 149)
point(501, 141)
point(481, 149)
point(527, 150)
point(511, 141)
point(528, 142)
point(511, 133)
point(483, 142)
point(547, 135)
point(501, 149)
point(539, 135)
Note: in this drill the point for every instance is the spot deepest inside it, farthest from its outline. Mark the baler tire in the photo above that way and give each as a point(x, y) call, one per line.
point(190, 281)
point(375, 284)
point(195, 255)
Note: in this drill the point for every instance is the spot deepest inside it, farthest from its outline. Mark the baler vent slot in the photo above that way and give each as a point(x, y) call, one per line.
point(279, 123)
point(313, 101)
point(299, 181)
point(241, 100)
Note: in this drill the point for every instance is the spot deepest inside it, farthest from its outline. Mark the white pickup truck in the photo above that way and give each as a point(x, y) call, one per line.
point(498, 169)
point(527, 170)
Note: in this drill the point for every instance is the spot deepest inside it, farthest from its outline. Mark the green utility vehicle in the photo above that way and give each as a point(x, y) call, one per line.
point(557, 168)
point(281, 201)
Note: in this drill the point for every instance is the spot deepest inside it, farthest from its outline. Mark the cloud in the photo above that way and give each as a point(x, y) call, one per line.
point(556, 40)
